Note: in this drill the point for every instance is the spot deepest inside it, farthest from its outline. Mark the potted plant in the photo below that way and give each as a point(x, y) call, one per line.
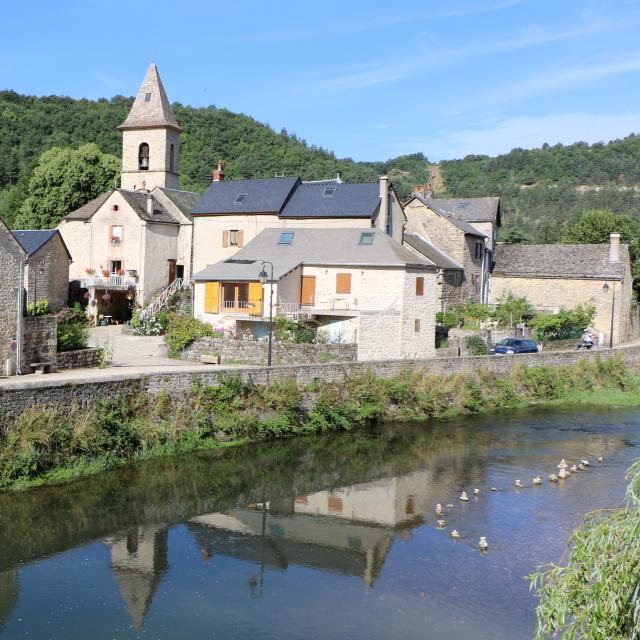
point(121, 272)
point(90, 271)
point(105, 273)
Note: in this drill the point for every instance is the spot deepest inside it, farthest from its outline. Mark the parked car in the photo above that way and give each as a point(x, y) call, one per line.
point(515, 345)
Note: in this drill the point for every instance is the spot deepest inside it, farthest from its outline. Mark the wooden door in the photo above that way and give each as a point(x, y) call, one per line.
point(172, 270)
point(308, 294)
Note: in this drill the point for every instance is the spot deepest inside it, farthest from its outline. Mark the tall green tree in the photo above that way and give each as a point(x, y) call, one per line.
point(64, 180)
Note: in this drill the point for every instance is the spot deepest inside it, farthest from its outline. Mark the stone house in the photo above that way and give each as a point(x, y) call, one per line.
point(359, 285)
point(553, 276)
point(465, 230)
point(231, 213)
point(12, 262)
point(132, 242)
point(47, 270)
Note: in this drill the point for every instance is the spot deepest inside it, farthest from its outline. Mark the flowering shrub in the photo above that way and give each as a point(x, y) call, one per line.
point(151, 327)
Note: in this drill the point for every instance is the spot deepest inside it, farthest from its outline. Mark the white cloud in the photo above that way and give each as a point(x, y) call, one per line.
point(527, 132)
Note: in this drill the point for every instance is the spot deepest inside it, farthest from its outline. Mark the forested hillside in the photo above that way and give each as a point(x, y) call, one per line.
point(541, 189)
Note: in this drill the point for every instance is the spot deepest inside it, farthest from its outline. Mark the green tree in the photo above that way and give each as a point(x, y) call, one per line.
point(64, 180)
point(512, 309)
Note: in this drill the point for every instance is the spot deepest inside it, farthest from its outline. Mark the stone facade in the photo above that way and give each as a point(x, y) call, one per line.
point(16, 398)
point(11, 256)
point(80, 359)
point(40, 341)
point(47, 274)
point(255, 352)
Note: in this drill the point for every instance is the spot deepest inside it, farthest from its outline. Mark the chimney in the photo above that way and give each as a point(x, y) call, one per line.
point(614, 248)
point(428, 192)
point(218, 174)
point(149, 204)
point(384, 203)
point(418, 190)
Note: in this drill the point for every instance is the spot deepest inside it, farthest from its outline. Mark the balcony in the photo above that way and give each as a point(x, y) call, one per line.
point(110, 282)
point(241, 307)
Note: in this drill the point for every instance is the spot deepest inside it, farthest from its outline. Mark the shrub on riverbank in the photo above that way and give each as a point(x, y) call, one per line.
point(44, 440)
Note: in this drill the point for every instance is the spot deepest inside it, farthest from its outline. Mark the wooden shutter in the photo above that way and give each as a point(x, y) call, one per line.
point(343, 283)
point(225, 238)
point(255, 299)
point(420, 286)
point(240, 237)
point(211, 297)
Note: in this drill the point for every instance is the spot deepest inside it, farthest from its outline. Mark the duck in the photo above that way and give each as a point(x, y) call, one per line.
point(493, 489)
point(553, 478)
point(449, 506)
point(463, 496)
point(586, 463)
point(455, 534)
point(440, 523)
point(563, 474)
point(600, 459)
point(438, 509)
point(476, 492)
point(537, 480)
point(519, 484)
point(582, 467)
point(574, 469)
point(483, 544)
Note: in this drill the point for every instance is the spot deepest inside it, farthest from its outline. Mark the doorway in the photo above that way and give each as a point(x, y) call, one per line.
point(172, 270)
point(308, 293)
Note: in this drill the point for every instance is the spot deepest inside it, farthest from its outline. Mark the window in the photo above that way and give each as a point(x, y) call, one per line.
point(147, 97)
point(143, 157)
point(232, 238)
point(116, 235)
point(286, 237)
point(478, 252)
point(115, 208)
point(416, 325)
point(240, 198)
point(235, 296)
point(420, 286)
point(329, 192)
point(115, 267)
point(366, 237)
point(172, 159)
point(343, 283)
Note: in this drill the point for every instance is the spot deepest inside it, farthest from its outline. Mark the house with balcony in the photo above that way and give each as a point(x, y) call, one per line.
point(131, 243)
point(358, 285)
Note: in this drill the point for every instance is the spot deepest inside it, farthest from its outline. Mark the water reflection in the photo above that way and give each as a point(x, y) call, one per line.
point(229, 542)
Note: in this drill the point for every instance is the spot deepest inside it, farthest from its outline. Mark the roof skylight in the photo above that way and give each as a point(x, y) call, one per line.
point(286, 237)
point(329, 192)
point(240, 198)
point(366, 237)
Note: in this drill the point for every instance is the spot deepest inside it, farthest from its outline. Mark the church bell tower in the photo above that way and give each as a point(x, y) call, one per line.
point(150, 139)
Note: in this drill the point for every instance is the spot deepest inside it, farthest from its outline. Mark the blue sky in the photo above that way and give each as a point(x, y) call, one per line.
point(366, 79)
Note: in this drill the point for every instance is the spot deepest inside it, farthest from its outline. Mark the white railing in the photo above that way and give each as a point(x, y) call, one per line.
point(232, 305)
point(162, 300)
point(109, 282)
point(293, 310)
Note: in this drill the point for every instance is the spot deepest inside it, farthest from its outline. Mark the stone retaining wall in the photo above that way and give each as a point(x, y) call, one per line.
point(254, 352)
point(40, 340)
point(16, 398)
point(82, 358)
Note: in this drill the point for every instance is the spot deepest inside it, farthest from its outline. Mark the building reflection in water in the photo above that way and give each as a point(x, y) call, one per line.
point(138, 562)
point(9, 593)
point(347, 530)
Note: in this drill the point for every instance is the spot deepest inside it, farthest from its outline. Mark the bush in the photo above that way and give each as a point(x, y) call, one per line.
point(303, 331)
point(447, 319)
point(183, 331)
point(477, 346)
point(38, 308)
point(512, 310)
point(567, 323)
point(151, 327)
point(72, 337)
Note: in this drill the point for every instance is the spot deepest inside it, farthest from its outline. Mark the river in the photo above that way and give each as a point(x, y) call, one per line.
point(330, 537)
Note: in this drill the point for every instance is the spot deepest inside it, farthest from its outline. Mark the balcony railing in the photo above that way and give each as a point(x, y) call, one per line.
point(334, 304)
point(109, 282)
point(292, 310)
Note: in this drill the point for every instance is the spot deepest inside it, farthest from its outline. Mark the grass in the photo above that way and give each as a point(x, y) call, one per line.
point(45, 445)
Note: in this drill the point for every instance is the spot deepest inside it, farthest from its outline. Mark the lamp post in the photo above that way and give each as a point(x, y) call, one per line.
point(605, 288)
point(263, 280)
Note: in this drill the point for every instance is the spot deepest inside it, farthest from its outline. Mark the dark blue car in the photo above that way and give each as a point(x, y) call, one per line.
point(515, 345)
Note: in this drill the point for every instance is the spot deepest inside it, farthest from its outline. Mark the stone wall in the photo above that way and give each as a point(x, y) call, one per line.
point(15, 398)
point(40, 341)
point(80, 359)
point(10, 257)
point(254, 352)
point(47, 274)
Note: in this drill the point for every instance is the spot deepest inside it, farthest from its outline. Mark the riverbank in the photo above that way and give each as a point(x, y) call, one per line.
point(47, 444)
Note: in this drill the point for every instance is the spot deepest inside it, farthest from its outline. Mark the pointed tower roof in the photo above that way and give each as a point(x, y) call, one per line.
point(151, 107)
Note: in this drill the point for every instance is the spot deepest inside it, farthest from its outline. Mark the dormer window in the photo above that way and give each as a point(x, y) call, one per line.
point(366, 237)
point(329, 192)
point(147, 97)
point(240, 199)
point(143, 157)
point(286, 237)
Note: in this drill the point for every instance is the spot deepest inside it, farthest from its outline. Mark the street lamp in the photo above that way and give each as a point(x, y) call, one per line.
point(263, 280)
point(605, 288)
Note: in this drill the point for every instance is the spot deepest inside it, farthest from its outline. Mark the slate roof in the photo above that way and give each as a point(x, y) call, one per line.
point(86, 211)
point(430, 252)
point(184, 200)
point(262, 196)
point(33, 239)
point(452, 217)
point(319, 247)
point(573, 261)
point(154, 112)
point(311, 200)
point(138, 202)
point(469, 209)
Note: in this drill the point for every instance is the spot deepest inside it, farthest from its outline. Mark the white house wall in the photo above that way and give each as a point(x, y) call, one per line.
point(77, 236)
point(161, 244)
